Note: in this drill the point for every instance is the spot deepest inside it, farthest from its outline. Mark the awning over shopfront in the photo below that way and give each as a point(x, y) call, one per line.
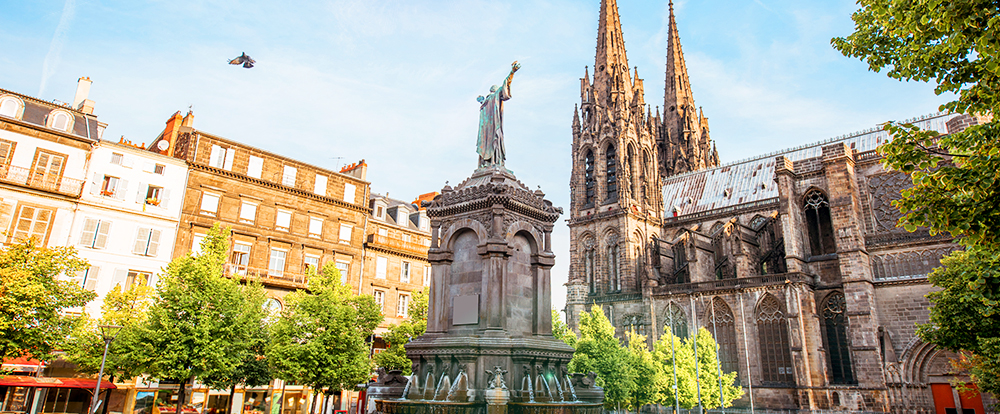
point(46, 382)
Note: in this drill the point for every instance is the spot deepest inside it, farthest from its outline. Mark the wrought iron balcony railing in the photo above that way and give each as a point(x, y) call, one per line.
point(46, 182)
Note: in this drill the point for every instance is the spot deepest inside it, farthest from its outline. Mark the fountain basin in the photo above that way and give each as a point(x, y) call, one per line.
point(429, 407)
point(573, 407)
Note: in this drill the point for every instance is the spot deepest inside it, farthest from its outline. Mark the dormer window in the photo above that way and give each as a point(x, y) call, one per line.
point(401, 217)
point(60, 120)
point(11, 107)
point(380, 212)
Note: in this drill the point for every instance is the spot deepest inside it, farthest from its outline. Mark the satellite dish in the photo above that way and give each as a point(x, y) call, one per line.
point(162, 145)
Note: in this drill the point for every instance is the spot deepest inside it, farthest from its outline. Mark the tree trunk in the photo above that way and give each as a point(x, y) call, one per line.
point(312, 408)
point(180, 396)
point(232, 392)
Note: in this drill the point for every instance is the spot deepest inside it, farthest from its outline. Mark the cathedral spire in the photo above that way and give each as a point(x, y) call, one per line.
point(677, 90)
point(612, 80)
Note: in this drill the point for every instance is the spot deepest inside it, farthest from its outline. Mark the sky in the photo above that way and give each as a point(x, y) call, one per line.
point(395, 82)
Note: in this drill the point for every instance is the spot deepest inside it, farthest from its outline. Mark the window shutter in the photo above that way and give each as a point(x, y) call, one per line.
point(103, 229)
point(164, 197)
point(140, 196)
point(92, 274)
point(127, 161)
point(154, 243)
point(121, 189)
point(230, 154)
point(141, 241)
point(349, 190)
point(87, 236)
point(120, 276)
point(255, 166)
point(215, 158)
point(95, 185)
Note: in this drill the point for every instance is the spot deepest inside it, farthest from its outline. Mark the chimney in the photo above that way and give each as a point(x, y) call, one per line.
point(188, 119)
point(169, 136)
point(80, 101)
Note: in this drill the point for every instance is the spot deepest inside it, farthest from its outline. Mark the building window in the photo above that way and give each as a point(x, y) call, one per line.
point(283, 220)
point(240, 257)
point(379, 299)
point(155, 196)
point(349, 190)
point(95, 233)
point(681, 271)
point(611, 172)
point(633, 323)
point(676, 321)
point(48, 168)
point(136, 278)
point(209, 204)
point(11, 107)
point(345, 233)
point(32, 222)
point(288, 176)
point(614, 273)
point(60, 120)
point(835, 338)
point(589, 181)
point(6, 153)
point(311, 262)
point(817, 210)
point(319, 186)
point(427, 275)
point(380, 212)
point(383, 232)
point(109, 185)
point(248, 212)
point(158, 169)
point(196, 241)
point(632, 179)
point(403, 305)
point(147, 242)
point(723, 325)
point(89, 277)
point(772, 339)
point(116, 158)
point(255, 167)
point(404, 272)
point(381, 265)
point(344, 268)
point(315, 227)
point(589, 259)
point(276, 265)
point(222, 157)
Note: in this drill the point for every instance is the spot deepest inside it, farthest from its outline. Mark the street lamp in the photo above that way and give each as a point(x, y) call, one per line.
point(108, 334)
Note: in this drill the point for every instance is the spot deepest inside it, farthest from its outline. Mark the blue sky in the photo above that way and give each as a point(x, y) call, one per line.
point(395, 82)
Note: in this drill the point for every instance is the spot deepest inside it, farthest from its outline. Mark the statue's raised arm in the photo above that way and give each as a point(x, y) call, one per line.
point(490, 144)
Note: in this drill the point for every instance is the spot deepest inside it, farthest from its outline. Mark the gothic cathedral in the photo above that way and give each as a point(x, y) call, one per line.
point(791, 260)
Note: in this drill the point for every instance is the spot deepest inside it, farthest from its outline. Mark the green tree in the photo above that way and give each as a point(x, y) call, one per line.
point(598, 350)
point(202, 323)
point(956, 178)
point(33, 299)
point(319, 339)
point(707, 371)
point(650, 380)
point(399, 335)
point(125, 308)
point(561, 331)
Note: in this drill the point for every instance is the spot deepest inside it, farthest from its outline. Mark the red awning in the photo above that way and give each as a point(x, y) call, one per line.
point(47, 382)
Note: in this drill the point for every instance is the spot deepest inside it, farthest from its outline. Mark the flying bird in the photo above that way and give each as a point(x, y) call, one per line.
point(243, 59)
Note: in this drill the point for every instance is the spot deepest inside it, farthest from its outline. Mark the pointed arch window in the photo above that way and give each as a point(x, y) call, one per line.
point(633, 323)
point(835, 338)
point(676, 321)
point(723, 325)
point(817, 209)
point(614, 273)
point(772, 339)
point(611, 172)
point(588, 264)
point(644, 173)
point(681, 273)
point(640, 266)
point(589, 178)
point(632, 178)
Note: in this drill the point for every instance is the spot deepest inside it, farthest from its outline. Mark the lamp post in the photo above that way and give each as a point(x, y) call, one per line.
point(108, 334)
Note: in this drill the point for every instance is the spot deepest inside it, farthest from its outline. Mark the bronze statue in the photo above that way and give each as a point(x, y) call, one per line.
point(490, 145)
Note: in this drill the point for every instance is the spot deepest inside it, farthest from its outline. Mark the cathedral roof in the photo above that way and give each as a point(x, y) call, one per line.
point(751, 181)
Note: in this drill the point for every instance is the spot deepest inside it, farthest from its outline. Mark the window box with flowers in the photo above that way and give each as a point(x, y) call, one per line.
point(153, 201)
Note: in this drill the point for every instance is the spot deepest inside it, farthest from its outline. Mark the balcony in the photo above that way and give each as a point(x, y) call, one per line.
point(737, 283)
point(266, 276)
point(397, 244)
point(46, 182)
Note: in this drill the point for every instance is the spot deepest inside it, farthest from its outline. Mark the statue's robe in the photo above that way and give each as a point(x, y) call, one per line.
point(490, 145)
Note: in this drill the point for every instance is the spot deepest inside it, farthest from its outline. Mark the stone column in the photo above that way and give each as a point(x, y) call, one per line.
point(495, 254)
point(789, 211)
point(437, 319)
point(542, 264)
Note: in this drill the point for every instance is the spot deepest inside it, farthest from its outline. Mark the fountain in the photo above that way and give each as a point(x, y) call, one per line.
point(488, 310)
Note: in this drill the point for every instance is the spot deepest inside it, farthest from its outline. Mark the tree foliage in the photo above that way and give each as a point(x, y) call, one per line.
point(598, 350)
point(707, 371)
point(400, 334)
point(319, 339)
point(201, 323)
point(650, 380)
point(956, 178)
point(561, 331)
point(33, 299)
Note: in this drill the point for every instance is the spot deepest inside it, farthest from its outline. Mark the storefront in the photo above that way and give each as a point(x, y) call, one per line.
point(40, 395)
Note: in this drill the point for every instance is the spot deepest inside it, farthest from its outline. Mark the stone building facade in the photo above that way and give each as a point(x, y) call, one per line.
point(792, 259)
point(285, 215)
